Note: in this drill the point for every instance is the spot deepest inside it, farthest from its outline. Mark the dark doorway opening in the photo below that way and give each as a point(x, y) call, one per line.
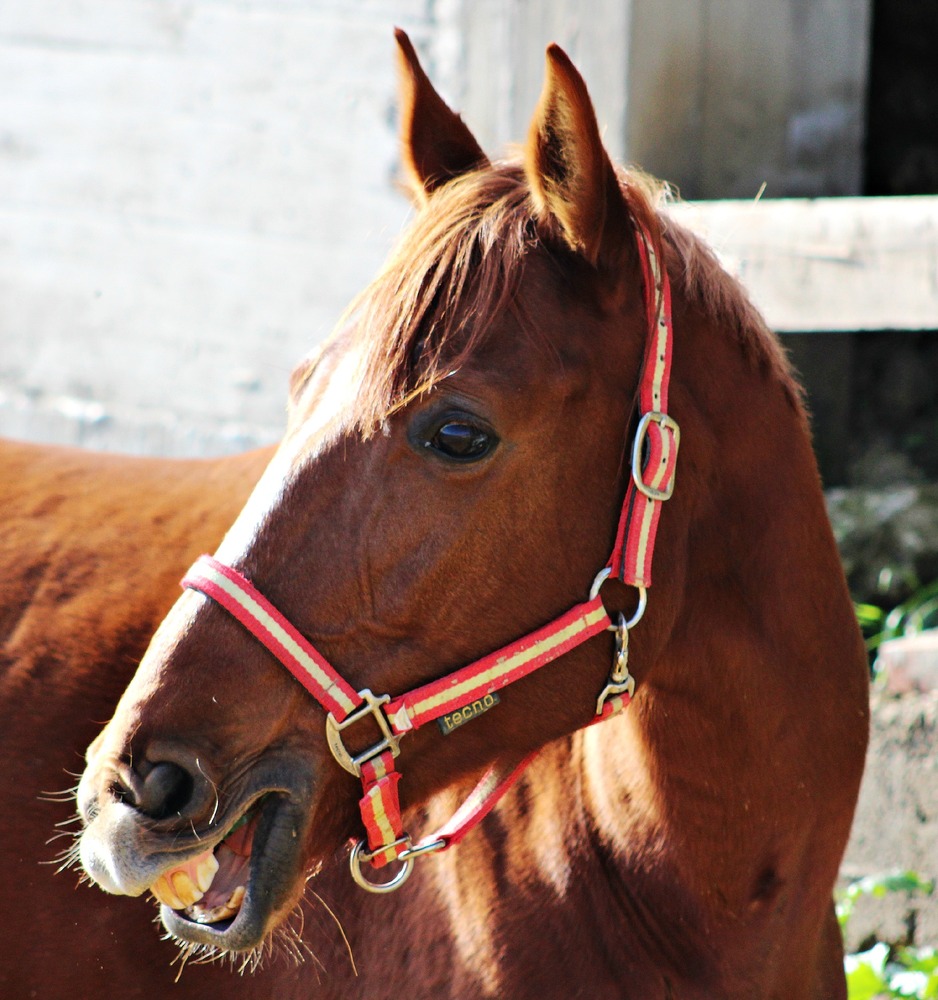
point(901, 149)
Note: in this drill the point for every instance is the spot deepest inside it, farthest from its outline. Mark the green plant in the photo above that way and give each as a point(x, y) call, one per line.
point(885, 970)
point(918, 613)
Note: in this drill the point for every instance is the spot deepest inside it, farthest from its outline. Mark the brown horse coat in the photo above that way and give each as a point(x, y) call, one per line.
point(91, 553)
point(91, 550)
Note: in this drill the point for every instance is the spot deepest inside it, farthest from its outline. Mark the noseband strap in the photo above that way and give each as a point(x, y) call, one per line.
point(654, 456)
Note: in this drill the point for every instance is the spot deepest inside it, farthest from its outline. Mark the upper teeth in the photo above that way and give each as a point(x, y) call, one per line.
point(186, 883)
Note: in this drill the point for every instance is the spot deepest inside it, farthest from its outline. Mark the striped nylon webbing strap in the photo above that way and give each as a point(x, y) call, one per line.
point(498, 669)
point(237, 596)
point(657, 446)
point(380, 808)
point(481, 801)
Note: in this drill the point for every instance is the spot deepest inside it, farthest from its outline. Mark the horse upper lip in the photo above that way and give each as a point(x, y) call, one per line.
point(110, 851)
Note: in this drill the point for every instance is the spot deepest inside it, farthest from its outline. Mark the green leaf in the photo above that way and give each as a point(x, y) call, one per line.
point(866, 972)
point(865, 983)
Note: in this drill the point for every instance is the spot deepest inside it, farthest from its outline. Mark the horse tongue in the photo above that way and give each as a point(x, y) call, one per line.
point(242, 840)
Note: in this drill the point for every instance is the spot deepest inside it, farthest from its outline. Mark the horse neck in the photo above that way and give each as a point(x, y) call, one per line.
point(739, 675)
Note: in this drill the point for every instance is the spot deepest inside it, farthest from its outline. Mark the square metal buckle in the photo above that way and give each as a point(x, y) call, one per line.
point(334, 731)
point(666, 423)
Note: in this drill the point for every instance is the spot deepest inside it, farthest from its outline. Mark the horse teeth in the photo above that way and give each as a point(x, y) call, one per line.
point(163, 889)
point(223, 911)
point(205, 869)
point(186, 889)
point(187, 883)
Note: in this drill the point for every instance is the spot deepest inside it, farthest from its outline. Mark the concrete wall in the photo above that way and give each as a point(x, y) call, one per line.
point(190, 193)
point(192, 190)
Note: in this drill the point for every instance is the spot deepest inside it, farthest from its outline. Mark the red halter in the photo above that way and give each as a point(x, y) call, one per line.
point(471, 689)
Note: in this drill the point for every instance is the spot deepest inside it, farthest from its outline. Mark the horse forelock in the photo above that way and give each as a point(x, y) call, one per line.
point(458, 267)
point(455, 270)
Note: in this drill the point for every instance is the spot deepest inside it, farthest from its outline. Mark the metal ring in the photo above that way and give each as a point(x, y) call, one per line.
point(601, 577)
point(640, 610)
point(355, 863)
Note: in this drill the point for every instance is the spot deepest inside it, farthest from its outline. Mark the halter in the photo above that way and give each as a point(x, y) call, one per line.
point(473, 688)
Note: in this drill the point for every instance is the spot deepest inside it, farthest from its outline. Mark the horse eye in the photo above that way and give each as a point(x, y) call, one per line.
point(462, 441)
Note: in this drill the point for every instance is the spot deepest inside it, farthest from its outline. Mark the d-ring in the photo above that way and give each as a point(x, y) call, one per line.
point(355, 863)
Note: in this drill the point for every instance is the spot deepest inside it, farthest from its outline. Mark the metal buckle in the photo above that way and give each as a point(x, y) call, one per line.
point(666, 423)
point(620, 680)
point(334, 733)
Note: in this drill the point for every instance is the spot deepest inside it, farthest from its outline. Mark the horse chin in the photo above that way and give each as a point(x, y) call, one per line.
point(274, 883)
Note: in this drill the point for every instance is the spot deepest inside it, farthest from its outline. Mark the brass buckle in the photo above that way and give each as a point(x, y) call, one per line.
point(334, 731)
point(666, 423)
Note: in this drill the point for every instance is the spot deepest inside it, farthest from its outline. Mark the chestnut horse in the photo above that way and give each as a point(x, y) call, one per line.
point(452, 477)
point(91, 552)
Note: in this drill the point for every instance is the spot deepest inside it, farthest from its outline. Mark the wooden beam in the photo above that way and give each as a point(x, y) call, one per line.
point(829, 264)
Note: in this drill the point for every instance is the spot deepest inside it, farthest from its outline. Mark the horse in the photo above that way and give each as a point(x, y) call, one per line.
point(90, 555)
point(656, 783)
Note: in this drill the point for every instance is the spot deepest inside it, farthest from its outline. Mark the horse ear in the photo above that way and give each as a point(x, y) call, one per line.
point(435, 143)
point(570, 174)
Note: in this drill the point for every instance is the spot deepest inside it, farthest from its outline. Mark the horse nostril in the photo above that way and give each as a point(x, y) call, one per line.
point(165, 789)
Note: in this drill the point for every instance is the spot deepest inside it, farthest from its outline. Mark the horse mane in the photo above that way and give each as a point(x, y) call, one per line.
point(459, 265)
point(694, 267)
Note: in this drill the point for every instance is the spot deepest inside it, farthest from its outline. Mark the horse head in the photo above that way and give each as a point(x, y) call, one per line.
point(449, 480)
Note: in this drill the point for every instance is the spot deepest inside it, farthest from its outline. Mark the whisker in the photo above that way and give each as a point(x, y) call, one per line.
point(68, 822)
point(182, 957)
point(214, 789)
point(59, 836)
point(62, 795)
point(338, 924)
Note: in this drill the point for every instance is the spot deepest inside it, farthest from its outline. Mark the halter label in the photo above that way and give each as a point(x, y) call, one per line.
point(461, 716)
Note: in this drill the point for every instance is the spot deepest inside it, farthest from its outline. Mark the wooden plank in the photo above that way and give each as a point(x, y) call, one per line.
point(723, 97)
point(829, 263)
